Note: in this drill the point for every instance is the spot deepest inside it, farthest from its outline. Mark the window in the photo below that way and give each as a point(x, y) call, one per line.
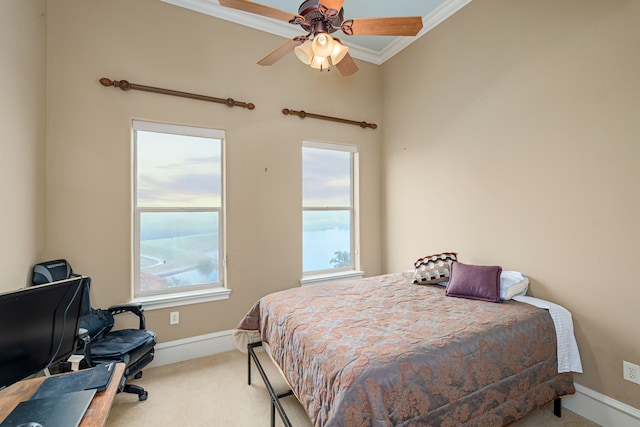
point(178, 209)
point(328, 208)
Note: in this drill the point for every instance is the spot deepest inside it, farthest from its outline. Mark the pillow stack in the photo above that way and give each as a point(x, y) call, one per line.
point(479, 282)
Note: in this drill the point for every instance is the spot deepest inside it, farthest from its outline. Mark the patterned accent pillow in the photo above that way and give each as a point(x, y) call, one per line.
point(433, 268)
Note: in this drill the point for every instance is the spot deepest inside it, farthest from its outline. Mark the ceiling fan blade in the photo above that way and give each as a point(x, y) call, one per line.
point(347, 66)
point(332, 4)
point(280, 52)
point(402, 26)
point(258, 9)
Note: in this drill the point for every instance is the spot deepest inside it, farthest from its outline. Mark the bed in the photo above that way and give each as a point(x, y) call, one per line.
point(384, 351)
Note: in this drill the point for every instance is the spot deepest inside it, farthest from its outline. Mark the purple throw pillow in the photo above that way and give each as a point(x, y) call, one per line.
point(480, 282)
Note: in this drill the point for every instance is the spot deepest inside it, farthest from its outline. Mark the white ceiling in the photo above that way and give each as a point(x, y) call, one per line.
point(374, 49)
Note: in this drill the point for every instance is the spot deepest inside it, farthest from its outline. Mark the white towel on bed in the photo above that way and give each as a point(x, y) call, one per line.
point(568, 354)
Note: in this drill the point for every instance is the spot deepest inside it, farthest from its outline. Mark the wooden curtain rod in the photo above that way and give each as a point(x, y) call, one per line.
point(303, 114)
point(125, 85)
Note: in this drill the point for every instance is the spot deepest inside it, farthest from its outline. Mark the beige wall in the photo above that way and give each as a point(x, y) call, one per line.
point(89, 144)
point(511, 136)
point(22, 137)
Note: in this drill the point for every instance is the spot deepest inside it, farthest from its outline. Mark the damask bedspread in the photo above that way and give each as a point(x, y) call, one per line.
point(382, 351)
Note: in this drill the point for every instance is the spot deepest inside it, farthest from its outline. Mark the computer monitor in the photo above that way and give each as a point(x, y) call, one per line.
point(38, 327)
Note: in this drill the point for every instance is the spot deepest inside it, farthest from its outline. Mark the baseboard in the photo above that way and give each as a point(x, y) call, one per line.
point(587, 403)
point(192, 348)
point(601, 409)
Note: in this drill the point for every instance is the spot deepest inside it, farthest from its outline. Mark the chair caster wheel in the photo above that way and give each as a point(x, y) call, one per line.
point(143, 396)
point(138, 375)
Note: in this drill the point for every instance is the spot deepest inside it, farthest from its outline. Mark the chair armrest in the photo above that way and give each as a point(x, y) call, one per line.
point(133, 307)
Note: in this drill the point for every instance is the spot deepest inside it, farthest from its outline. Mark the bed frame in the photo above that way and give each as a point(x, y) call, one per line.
point(275, 397)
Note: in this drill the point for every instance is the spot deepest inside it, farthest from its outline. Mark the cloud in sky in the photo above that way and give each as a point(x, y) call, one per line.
point(178, 171)
point(326, 177)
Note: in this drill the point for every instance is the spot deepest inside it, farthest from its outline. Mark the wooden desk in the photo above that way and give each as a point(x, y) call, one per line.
point(95, 416)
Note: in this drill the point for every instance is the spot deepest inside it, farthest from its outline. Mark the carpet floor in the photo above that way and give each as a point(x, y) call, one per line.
point(213, 391)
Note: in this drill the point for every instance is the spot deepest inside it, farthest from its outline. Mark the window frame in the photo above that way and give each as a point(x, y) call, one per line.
point(196, 294)
point(352, 271)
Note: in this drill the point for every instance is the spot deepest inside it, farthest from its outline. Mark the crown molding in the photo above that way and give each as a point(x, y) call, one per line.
point(283, 29)
point(429, 22)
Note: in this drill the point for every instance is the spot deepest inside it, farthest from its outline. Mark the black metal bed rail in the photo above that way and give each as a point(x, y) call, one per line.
point(275, 397)
point(557, 407)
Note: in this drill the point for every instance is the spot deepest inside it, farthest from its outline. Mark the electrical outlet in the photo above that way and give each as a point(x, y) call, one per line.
point(174, 317)
point(631, 372)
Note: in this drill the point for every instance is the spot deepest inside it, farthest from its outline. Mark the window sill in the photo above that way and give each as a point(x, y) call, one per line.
point(156, 302)
point(321, 279)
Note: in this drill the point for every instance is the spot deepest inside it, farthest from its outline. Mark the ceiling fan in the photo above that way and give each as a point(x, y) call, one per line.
point(320, 18)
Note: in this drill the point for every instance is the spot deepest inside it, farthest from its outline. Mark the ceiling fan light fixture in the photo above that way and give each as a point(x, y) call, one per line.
point(322, 45)
point(304, 52)
point(320, 63)
point(339, 52)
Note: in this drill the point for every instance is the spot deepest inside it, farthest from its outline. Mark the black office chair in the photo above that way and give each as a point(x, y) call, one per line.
point(134, 347)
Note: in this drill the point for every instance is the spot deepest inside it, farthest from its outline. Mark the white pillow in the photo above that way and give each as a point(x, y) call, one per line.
point(513, 283)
